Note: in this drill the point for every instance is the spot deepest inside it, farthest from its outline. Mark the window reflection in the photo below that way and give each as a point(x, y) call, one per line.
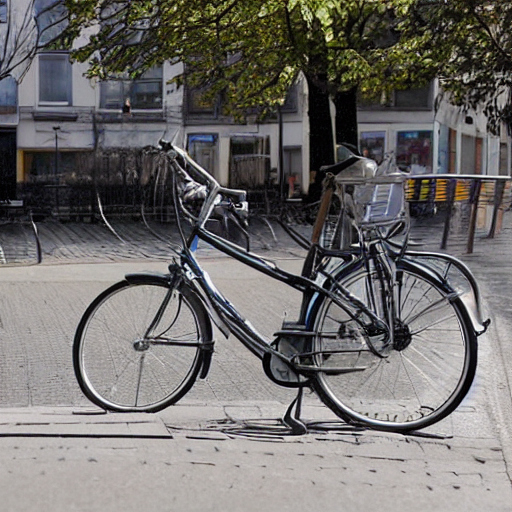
point(55, 78)
point(144, 93)
point(414, 151)
point(8, 96)
point(372, 144)
point(3, 11)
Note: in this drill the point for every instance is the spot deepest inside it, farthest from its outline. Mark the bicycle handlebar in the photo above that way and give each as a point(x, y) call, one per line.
point(238, 195)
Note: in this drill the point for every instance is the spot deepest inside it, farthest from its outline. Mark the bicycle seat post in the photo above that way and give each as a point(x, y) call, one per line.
point(325, 204)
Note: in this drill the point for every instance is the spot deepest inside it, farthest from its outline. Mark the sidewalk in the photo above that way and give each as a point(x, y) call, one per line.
point(222, 448)
point(229, 457)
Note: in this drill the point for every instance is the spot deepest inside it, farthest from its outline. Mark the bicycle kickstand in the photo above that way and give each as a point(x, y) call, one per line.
point(292, 420)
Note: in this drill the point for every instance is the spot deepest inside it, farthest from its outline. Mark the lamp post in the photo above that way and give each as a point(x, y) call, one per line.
point(56, 167)
point(281, 154)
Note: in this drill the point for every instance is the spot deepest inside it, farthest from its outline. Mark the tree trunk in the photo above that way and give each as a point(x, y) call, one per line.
point(321, 137)
point(346, 117)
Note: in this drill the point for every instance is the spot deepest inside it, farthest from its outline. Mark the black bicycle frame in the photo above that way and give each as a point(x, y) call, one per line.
point(225, 315)
point(228, 319)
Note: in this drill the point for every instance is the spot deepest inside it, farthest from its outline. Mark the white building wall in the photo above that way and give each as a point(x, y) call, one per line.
point(471, 124)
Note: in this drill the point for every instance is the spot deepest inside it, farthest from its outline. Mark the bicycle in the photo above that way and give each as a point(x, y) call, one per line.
point(386, 337)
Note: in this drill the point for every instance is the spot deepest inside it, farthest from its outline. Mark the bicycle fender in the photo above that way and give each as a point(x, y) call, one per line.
point(148, 277)
point(469, 295)
point(159, 278)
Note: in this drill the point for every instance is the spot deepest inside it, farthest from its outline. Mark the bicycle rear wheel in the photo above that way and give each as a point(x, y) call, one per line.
point(425, 376)
point(120, 366)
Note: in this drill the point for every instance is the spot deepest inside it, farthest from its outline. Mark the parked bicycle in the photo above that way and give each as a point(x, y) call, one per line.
point(386, 337)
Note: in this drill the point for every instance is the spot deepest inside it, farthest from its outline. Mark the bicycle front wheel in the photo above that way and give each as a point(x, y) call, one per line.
point(425, 376)
point(140, 347)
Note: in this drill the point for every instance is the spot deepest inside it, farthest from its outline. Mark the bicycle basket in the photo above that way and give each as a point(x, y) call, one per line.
point(372, 201)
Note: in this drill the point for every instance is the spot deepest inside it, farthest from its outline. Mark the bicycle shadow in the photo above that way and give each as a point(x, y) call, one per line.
point(277, 429)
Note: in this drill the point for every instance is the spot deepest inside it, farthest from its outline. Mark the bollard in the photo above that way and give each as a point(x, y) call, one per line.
point(475, 197)
point(451, 187)
point(498, 198)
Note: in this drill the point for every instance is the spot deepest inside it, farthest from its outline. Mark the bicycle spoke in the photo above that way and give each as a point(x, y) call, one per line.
point(429, 327)
point(424, 375)
point(120, 369)
point(431, 307)
point(139, 380)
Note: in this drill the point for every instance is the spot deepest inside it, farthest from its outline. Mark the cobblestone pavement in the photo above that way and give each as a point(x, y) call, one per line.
point(58, 453)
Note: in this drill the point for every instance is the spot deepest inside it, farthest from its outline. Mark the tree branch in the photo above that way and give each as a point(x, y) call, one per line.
point(494, 42)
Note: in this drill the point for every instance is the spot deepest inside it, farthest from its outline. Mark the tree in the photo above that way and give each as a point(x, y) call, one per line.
point(470, 43)
point(250, 52)
point(30, 26)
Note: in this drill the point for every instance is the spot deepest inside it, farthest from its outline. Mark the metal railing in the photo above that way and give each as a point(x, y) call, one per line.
point(478, 191)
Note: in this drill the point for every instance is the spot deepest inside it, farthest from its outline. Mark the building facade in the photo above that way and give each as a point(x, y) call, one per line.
point(429, 135)
point(58, 127)
point(56, 121)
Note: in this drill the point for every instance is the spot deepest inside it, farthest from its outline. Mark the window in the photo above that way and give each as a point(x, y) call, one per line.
point(147, 90)
point(412, 99)
point(199, 103)
point(419, 98)
point(43, 167)
point(292, 170)
point(55, 79)
point(145, 93)
point(372, 144)
point(250, 161)
point(112, 95)
point(8, 96)
point(3, 11)
point(292, 100)
point(414, 151)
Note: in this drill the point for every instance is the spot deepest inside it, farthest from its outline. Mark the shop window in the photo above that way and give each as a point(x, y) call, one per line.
point(414, 151)
point(443, 153)
point(55, 79)
point(250, 161)
point(372, 144)
point(48, 167)
point(292, 161)
point(144, 93)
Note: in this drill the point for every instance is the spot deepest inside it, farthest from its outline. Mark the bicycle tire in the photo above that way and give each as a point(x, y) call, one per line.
point(114, 366)
point(426, 375)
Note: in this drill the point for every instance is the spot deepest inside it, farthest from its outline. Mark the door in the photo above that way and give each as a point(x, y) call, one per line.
point(203, 149)
point(7, 165)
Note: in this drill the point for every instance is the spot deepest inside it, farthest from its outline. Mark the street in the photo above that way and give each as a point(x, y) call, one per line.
point(221, 448)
